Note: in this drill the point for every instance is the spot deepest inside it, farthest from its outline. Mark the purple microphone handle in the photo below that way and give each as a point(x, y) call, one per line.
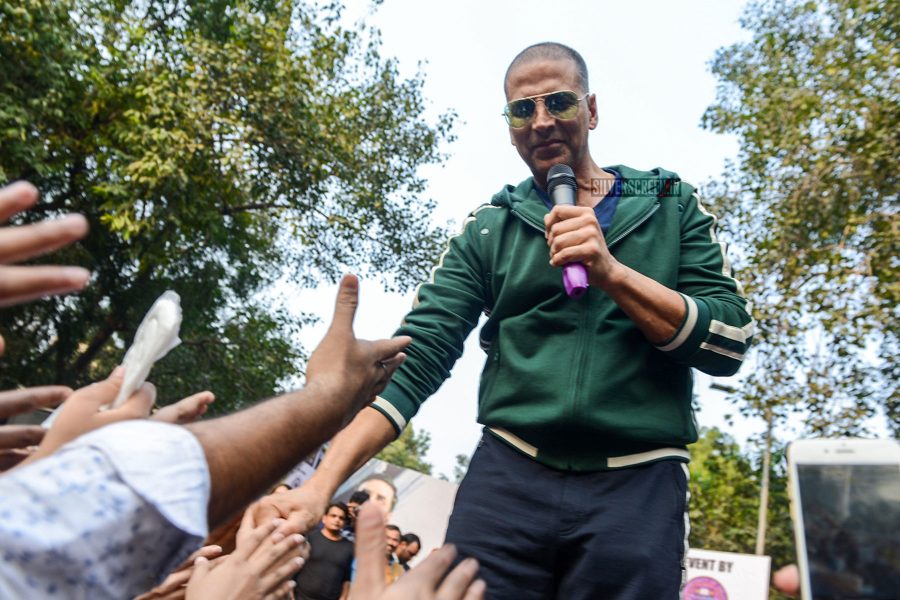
point(575, 280)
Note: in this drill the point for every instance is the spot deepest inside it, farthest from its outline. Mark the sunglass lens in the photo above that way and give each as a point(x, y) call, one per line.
point(518, 112)
point(563, 105)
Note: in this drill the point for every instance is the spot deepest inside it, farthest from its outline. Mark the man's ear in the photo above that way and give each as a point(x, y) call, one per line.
point(592, 108)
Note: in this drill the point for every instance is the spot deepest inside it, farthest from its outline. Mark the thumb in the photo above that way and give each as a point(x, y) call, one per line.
point(370, 551)
point(345, 304)
point(201, 569)
point(137, 406)
point(90, 398)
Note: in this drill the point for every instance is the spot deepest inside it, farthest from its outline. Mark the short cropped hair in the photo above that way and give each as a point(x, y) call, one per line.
point(410, 538)
point(393, 528)
point(341, 506)
point(549, 51)
point(359, 497)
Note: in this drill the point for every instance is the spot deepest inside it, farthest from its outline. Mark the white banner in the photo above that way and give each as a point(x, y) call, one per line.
point(715, 575)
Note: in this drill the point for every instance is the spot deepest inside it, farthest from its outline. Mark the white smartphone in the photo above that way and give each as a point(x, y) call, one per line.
point(845, 504)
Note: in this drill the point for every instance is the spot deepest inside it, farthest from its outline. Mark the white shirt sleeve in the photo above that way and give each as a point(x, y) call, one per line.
point(106, 516)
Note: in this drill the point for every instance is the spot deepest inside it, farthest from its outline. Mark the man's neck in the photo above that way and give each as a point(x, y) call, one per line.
point(331, 536)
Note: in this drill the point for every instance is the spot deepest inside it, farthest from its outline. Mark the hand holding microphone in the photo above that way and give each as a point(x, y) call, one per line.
point(562, 188)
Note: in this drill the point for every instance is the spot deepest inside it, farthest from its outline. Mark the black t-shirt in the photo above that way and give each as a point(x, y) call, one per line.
point(328, 567)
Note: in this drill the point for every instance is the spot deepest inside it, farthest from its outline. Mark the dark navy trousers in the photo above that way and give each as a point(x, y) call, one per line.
point(543, 534)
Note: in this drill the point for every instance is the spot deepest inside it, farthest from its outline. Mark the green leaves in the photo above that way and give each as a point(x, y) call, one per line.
point(215, 146)
point(815, 100)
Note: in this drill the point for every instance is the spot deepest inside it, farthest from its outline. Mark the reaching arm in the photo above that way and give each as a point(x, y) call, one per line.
point(249, 450)
point(303, 507)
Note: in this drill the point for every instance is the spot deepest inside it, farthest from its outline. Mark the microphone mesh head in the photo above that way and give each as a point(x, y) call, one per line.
point(560, 174)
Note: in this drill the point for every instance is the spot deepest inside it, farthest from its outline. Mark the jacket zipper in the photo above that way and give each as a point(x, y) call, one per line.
point(634, 226)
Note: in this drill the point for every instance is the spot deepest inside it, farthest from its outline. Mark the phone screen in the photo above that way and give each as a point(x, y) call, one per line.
point(851, 518)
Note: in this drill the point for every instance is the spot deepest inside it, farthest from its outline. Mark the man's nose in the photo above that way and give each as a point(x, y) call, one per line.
point(542, 117)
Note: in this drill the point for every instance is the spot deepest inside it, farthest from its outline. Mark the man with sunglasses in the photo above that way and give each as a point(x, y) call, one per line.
point(578, 488)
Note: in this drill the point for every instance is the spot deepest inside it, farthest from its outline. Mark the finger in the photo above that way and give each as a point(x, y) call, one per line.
point(201, 569)
point(14, 402)
point(300, 521)
point(390, 367)
point(288, 565)
point(386, 350)
point(137, 406)
point(586, 254)
point(247, 524)
point(254, 539)
point(186, 410)
point(12, 457)
point(279, 545)
point(369, 551)
point(21, 284)
point(27, 241)
point(208, 552)
point(15, 198)
point(432, 569)
point(283, 592)
point(787, 579)
point(20, 436)
point(476, 591)
point(569, 239)
point(345, 305)
point(89, 399)
point(458, 580)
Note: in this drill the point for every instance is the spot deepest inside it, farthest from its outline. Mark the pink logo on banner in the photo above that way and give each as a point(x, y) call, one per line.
point(704, 588)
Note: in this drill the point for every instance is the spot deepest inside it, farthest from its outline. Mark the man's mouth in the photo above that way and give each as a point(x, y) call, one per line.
point(548, 145)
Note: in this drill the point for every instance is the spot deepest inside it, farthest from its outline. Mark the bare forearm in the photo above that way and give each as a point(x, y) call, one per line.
point(362, 439)
point(249, 451)
point(656, 310)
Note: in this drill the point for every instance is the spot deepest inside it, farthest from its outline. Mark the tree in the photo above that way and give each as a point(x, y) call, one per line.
point(461, 467)
point(724, 487)
point(408, 450)
point(215, 147)
point(814, 100)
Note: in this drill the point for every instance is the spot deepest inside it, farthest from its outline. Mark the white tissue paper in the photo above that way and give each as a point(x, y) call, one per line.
point(154, 338)
point(156, 335)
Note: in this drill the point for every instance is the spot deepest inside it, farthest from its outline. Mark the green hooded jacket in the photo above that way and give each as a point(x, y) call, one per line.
point(573, 382)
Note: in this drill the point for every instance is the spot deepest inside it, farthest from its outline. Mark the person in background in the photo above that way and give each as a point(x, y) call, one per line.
point(326, 575)
point(357, 499)
point(409, 547)
point(393, 570)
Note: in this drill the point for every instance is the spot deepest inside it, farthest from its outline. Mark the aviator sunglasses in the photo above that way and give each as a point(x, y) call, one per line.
point(562, 105)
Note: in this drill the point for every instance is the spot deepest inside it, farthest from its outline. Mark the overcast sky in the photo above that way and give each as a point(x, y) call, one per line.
point(647, 63)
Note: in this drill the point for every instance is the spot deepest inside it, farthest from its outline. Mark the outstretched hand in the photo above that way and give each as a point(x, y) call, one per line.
point(81, 412)
point(424, 582)
point(18, 283)
point(258, 569)
point(352, 371)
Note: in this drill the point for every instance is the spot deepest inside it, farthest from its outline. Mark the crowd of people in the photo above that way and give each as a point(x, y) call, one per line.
point(117, 503)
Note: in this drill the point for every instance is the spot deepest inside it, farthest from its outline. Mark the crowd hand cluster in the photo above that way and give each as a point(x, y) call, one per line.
point(20, 283)
point(266, 555)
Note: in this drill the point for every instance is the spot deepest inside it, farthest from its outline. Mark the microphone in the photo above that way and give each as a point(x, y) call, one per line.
point(562, 187)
